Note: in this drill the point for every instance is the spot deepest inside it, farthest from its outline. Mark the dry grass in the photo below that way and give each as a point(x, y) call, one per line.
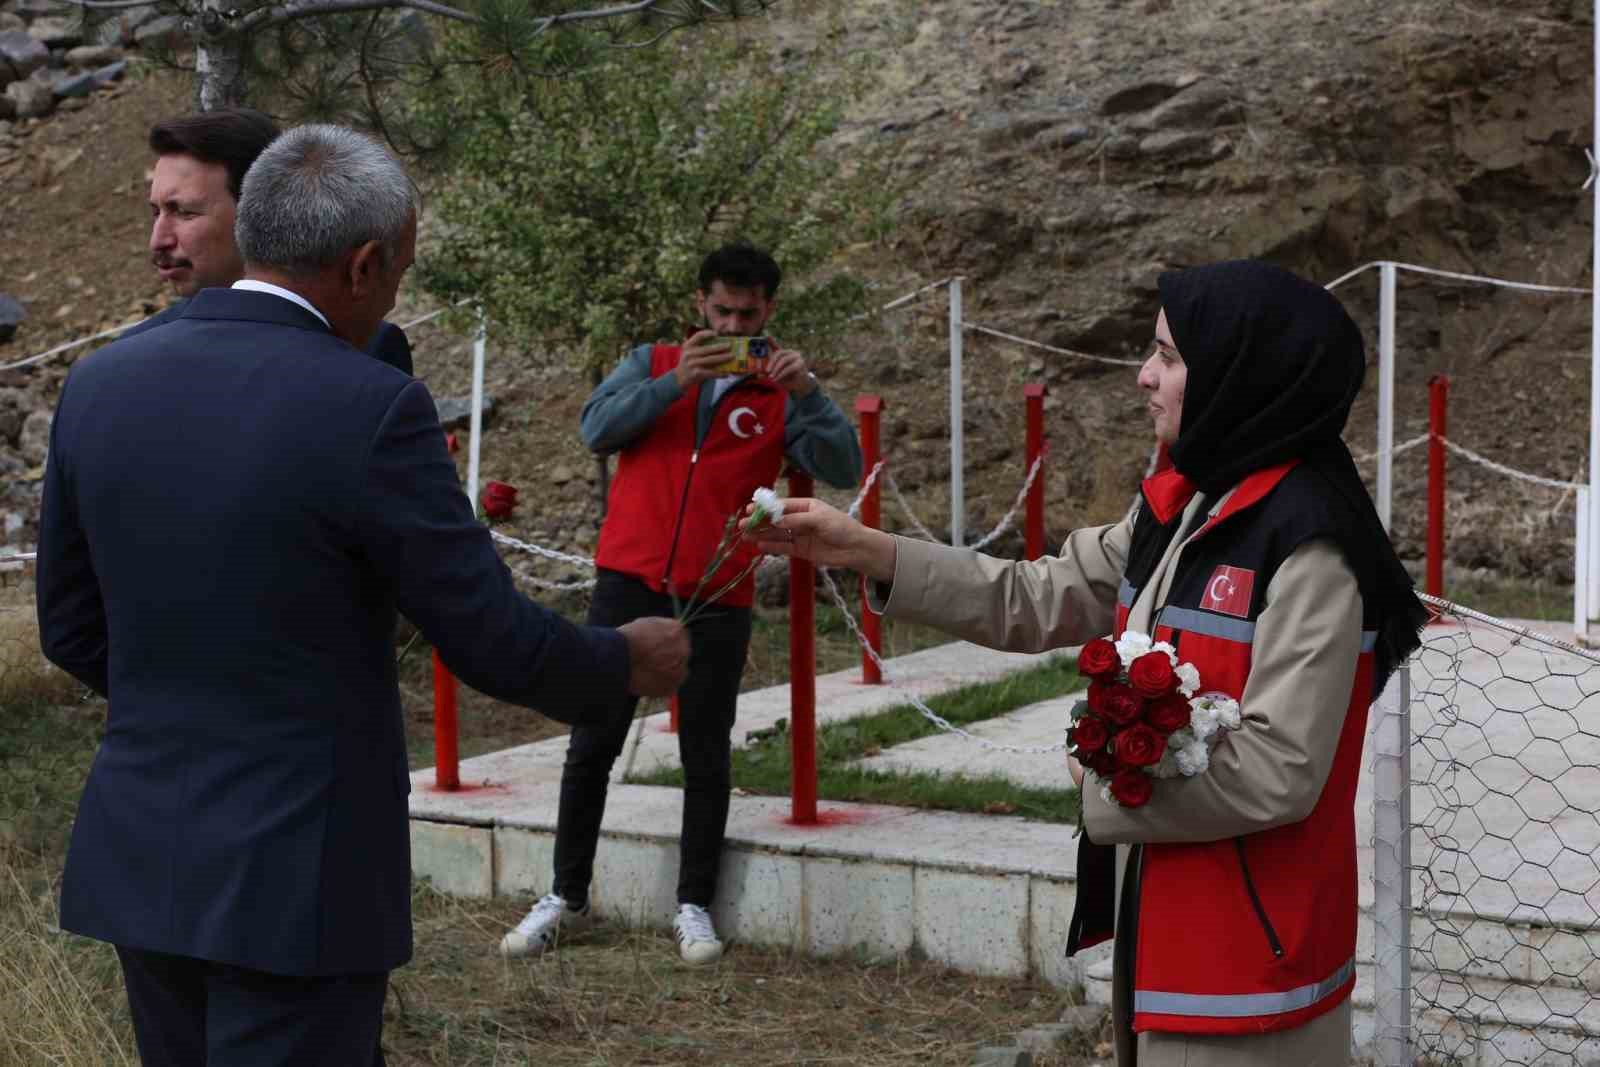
point(621, 997)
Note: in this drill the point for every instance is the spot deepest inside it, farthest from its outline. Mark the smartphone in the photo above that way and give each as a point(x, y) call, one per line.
point(746, 355)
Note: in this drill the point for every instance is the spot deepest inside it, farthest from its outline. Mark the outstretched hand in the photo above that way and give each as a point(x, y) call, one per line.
point(813, 530)
point(658, 656)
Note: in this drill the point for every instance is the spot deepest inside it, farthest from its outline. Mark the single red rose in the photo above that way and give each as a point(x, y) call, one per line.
point(499, 499)
point(1099, 659)
point(1167, 714)
point(451, 444)
point(1152, 675)
point(1132, 788)
point(1089, 734)
point(1096, 697)
point(1121, 704)
point(1100, 762)
point(1140, 746)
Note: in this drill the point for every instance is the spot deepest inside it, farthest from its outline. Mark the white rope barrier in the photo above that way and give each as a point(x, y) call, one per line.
point(68, 345)
point(1529, 287)
point(927, 713)
point(539, 550)
point(1404, 446)
point(1510, 472)
point(554, 587)
point(1013, 338)
point(20, 557)
point(911, 516)
point(898, 301)
point(866, 487)
point(1016, 505)
point(430, 316)
point(1341, 279)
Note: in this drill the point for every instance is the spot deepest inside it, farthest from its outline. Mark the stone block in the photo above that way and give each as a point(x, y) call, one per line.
point(858, 906)
point(636, 881)
point(34, 439)
point(166, 30)
point(11, 315)
point(57, 32)
point(1050, 903)
point(1045, 1039)
point(86, 56)
point(20, 55)
point(457, 859)
point(759, 899)
point(976, 923)
point(1085, 1018)
point(1003, 1056)
point(30, 99)
point(455, 412)
point(73, 85)
point(1097, 982)
point(524, 861)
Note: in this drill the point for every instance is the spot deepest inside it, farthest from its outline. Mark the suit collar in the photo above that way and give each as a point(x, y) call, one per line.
point(248, 306)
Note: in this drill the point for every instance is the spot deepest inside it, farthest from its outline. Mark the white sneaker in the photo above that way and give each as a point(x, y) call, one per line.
point(544, 924)
point(697, 938)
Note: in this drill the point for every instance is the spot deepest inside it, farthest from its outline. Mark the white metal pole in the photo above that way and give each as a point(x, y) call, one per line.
point(479, 344)
point(1391, 870)
point(1580, 569)
point(957, 486)
point(1594, 352)
point(1386, 285)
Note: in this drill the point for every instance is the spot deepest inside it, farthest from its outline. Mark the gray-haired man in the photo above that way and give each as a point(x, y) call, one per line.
point(235, 506)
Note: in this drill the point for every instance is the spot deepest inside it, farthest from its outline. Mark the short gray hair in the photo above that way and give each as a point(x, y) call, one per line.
point(317, 192)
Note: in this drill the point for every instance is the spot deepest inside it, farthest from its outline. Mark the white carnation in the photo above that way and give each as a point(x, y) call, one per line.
point(1165, 646)
point(769, 505)
point(1193, 759)
point(1188, 678)
point(1131, 645)
point(1202, 719)
point(1228, 713)
point(1105, 794)
point(1182, 737)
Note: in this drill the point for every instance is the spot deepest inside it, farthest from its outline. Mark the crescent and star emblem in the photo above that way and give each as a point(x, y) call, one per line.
point(1220, 590)
point(733, 423)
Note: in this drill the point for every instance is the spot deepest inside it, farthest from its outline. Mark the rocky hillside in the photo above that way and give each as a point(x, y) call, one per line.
point(1059, 154)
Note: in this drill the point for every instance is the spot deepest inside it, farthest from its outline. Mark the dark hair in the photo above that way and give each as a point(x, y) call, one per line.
point(232, 137)
point(741, 266)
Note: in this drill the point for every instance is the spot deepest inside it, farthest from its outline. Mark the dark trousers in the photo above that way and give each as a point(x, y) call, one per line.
point(720, 640)
point(195, 1013)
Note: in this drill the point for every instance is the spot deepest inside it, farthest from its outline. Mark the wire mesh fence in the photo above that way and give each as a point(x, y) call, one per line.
point(1500, 806)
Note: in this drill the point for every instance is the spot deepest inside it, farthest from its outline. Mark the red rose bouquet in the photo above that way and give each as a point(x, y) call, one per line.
point(1141, 719)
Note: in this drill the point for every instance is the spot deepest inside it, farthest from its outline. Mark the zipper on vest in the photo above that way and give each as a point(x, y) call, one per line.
point(1255, 901)
point(677, 528)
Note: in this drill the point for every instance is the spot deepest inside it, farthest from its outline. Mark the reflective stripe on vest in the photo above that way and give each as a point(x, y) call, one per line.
point(1195, 621)
point(1125, 594)
point(1242, 1005)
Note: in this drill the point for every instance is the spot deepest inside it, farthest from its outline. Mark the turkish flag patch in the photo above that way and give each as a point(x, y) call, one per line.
point(1228, 591)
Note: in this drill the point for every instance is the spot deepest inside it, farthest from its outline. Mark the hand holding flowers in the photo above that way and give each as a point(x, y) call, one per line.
point(1141, 719)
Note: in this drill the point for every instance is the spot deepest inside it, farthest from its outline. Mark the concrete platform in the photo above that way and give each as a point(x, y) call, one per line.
point(985, 894)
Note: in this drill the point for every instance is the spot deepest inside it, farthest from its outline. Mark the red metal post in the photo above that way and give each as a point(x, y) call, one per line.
point(802, 674)
point(446, 758)
point(1033, 523)
point(1438, 395)
point(870, 409)
point(672, 715)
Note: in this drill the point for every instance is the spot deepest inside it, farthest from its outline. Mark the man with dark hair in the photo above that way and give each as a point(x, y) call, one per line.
point(201, 161)
point(694, 440)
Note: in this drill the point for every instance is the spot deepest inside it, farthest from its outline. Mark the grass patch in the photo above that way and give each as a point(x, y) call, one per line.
point(1508, 599)
point(764, 767)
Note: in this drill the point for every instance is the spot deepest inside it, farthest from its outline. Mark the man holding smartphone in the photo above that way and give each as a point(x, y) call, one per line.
point(694, 437)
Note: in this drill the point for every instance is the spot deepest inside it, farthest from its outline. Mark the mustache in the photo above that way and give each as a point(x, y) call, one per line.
point(168, 262)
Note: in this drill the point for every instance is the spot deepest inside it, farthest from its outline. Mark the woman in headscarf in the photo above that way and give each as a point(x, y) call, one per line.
point(1260, 556)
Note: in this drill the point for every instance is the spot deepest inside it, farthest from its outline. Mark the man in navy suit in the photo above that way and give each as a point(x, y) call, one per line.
point(235, 506)
point(201, 161)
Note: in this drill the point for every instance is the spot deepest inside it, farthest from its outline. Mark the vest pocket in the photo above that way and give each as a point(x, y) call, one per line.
point(1255, 901)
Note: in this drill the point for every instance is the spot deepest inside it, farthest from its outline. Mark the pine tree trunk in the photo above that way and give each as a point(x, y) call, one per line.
point(218, 60)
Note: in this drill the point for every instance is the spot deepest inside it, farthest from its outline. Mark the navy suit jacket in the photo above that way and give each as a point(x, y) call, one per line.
point(235, 505)
point(389, 344)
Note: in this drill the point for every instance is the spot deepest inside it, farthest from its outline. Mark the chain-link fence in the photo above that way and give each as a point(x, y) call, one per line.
point(1486, 837)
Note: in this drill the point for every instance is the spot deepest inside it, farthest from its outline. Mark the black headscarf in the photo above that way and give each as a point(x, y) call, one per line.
point(1274, 364)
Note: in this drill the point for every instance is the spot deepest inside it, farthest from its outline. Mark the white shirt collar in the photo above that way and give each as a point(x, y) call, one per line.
point(277, 290)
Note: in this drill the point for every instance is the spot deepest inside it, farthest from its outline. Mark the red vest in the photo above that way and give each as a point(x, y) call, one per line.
point(1257, 933)
point(669, 500)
